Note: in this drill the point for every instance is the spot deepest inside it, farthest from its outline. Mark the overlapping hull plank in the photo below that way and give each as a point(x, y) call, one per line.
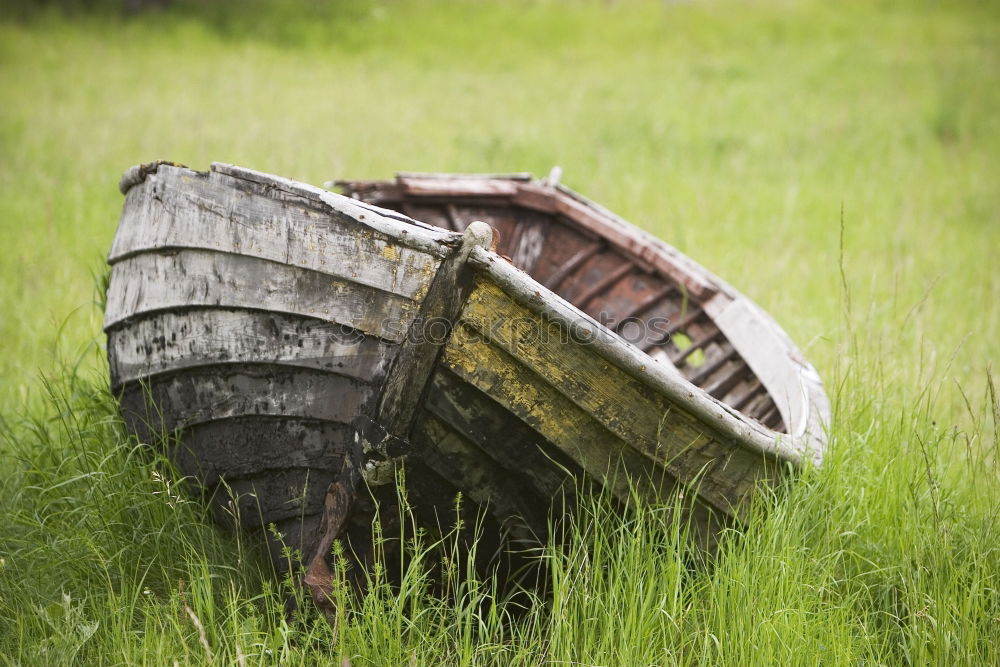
point(180, 210)
point(154, 282)
point(286, 336)
point(168, 341)
point(513, 445)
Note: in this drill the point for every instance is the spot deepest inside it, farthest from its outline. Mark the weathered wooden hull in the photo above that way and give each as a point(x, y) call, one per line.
point(267, 322)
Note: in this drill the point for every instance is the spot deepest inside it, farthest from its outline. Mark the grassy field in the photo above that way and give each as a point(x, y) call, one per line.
point(838, 162)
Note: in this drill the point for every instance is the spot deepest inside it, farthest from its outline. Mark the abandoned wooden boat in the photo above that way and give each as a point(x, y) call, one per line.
point(302, 345)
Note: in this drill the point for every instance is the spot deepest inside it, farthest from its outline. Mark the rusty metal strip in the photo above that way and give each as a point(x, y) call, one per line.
point(336, 508)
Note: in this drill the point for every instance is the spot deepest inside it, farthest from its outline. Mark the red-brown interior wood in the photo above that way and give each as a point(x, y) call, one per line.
point(643, 305)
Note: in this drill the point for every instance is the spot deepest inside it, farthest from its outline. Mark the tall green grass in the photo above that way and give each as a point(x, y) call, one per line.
point(887, 555)
point(836, 162)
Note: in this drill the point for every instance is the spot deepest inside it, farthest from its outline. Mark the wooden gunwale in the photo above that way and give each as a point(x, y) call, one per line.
point(728, 423)
point(636, 242)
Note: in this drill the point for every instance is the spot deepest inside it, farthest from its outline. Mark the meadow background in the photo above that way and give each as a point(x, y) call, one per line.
point(838, 162)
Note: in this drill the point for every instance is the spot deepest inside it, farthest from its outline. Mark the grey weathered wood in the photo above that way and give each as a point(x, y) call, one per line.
point(272, 496)
point(479, 186)
point(530, 246)
point(510, 443)
point(428, 333)
point(209, 393)
point(412, 233)
point(500, 492)
point(793, 384)
point(136, 174)
point(153, 282)
point(173, 209)
point(168, 341)
point(251, 445)
point(460, 178)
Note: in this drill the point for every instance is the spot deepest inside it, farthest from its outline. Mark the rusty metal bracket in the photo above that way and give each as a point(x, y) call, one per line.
point(375, 459)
